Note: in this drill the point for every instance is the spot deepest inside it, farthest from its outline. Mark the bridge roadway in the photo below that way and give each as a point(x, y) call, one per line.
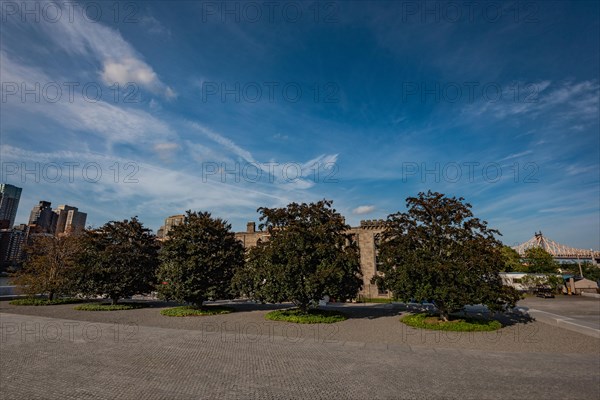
point(59, 358)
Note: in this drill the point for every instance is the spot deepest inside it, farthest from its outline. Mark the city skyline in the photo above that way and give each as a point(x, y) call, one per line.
point(166, 108)
point(171, 220)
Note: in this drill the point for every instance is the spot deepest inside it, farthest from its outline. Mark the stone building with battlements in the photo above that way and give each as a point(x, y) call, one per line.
point(366, 234)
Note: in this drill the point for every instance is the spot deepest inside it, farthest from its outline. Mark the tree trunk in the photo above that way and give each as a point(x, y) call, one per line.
point(114, 300)
point(50, 295)
point(444, 316)
point(303, 308)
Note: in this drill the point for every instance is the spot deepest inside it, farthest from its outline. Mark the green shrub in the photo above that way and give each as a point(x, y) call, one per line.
point(313, 316)
point(32, 301)
point(109, 307)
point(191, 311)
point(426, 321)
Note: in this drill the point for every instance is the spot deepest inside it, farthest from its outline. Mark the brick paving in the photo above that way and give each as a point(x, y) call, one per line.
point(376, 324)
point(85, 359)
point(95, 362)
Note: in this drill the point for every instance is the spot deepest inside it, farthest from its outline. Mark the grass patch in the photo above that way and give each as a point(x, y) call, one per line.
point(426, 321)
point(33, 301)
point(109, 307)
point(194, 311)
point(313, 316)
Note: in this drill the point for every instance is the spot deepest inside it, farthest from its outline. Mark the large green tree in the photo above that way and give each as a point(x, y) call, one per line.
point(538, 260)
point(512, 260)
point(438, 251)
point(309, 254)
point(199, 259)
point(119, 260)
point(590, 271)
point(50, 267)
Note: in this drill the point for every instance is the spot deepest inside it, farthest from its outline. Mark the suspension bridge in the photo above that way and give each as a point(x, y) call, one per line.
point(557, 250)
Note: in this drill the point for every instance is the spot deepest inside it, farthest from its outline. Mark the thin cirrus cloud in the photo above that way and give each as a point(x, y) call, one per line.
point(568, 100)
point(120, 62)
point(112, 123)
point(140, 184)
point(291, 174)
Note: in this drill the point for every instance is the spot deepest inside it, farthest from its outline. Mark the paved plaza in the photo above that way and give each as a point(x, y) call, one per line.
point(576, 310)
point(57, 352)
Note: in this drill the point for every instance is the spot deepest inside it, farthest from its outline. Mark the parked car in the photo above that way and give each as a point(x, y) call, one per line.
point(544, 291)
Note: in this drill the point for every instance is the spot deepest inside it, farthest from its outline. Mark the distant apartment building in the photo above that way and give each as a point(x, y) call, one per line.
point(170, 223)
point(64, 220)
point(41, 218)
point(69, 220)
point(12, 242)
point(9, 202)
point(61, 217)
point(76, 221)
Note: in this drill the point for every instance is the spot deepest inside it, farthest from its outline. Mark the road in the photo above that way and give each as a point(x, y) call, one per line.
point(577, 313)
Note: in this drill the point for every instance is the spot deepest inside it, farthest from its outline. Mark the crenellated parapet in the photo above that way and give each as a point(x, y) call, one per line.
point(372, 224)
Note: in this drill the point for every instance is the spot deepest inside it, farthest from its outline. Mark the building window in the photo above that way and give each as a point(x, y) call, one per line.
point(377, 244)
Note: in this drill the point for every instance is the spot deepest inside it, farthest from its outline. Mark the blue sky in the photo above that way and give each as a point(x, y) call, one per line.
point(230, 107)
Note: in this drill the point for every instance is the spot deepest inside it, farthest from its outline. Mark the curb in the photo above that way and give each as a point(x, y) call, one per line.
point(594, 295)
point(563, 322)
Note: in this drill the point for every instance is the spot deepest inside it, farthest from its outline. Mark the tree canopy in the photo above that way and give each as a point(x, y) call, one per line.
point(590, 271)
point(118, 260)
point(50, 266)
point(438, 251)
point(309, 254)
point(538, 260)
point(512, 260)
point(199, 259)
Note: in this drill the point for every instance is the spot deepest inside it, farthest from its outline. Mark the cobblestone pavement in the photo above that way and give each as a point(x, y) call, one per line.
point(378, 324)
point(67, 359)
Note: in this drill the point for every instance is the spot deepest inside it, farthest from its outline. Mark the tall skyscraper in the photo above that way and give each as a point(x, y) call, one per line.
point(9, 202)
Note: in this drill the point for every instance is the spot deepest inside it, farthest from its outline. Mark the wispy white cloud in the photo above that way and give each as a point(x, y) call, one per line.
point(291, 174)
point(517, 155)
point(578, 169)
point(128, 70)
point(361, 210)
point(154, 191)
point(154, 26)
point(114, 123)
point(223, 141)
point(167, 150)
point(120, 62)
point(568, 101)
